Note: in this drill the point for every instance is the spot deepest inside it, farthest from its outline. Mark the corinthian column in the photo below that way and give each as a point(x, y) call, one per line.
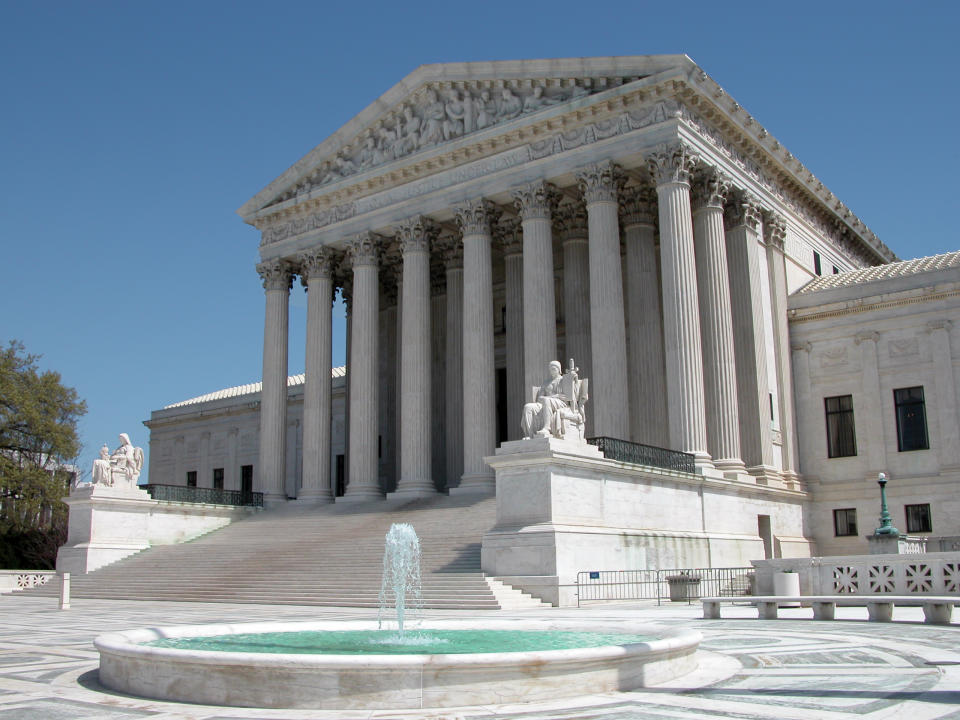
point(681, 322)
point(716, 322)
point(608, 337)
point(746, 300)
point(452, 251)
point(572, 221)
point(277, 278)
point(508, 231)
point(479, 381)
point(539, 304)
point(415, 478)
point(648, 392)
point(316, 276)
point(363, 482)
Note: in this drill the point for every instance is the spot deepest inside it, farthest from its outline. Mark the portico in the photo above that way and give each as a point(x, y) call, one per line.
point(483, 219)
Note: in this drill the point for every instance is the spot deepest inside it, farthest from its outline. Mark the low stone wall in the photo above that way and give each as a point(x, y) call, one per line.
point(110, 523)
point(930, 573)
point(14, 580)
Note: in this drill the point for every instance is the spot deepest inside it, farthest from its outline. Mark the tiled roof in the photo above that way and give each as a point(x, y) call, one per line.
point(248, 389)
point(882, 272)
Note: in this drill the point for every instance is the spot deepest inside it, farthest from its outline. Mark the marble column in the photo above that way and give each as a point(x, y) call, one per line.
point(415, 478)
point(452, 250)
point(608, 335)
point(716, 322)
point(271, 476)
point(438, 339)
point(813, 443)
point(179, 469)
point(316, 276)
point(534, 201)
point(511, 240)
point(388, 367)
point(944, 393)
point(868, 412)
point(647, 379)
point(231, 479)
point(746, 300)
point(363, 483)
point(686, 410)
point(205, 477)
point(572, 222)
point(775, 234)
point(479, 380)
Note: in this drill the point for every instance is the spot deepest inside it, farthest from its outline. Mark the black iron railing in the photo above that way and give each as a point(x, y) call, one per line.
point(185, 493)
point(631, 452)
point(678, 584)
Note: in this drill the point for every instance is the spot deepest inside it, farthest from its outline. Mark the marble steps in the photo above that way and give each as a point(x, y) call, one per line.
point(328, 555)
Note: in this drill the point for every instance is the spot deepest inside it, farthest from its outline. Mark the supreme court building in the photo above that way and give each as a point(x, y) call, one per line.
point(483, 219)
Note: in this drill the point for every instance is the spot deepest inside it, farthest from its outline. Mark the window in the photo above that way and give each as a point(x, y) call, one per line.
point(218, 478)
point(841, 437)
point(845, 522)
point(816, 263)
point(191, 478)
point(911, 419)
point(918, 518)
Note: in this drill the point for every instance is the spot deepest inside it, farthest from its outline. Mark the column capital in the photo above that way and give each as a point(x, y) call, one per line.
point(451, 250)
point(806, 347)
point(939, 324)
point(672, 164)
point(571, 218)
point(774, 230)
point(508, 234)
point(866, 336)
point(363, 249)
point(638, 206)
point(416, 234)
point(276, 274)
point(600, 182)
point(475, 217)
point(710, 189)
point(316, 263)
point(744, 210)
point(536, 200)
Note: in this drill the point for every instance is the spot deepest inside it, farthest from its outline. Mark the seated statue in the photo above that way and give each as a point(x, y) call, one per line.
point(100, 475)
point(126, 462)
point(558, 407)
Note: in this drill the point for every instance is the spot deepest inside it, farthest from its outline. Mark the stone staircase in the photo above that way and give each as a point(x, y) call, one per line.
point(314, 555)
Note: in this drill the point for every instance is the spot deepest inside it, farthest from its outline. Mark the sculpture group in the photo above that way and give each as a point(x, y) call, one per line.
point(558, 406)
point(121, 468)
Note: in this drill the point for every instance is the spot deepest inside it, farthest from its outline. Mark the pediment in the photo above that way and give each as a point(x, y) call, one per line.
point(438, 104)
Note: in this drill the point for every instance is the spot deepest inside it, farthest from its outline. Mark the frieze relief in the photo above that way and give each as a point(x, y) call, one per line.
point(628, 121)
point(834, 357)
point(903, 348)
point(436, 115)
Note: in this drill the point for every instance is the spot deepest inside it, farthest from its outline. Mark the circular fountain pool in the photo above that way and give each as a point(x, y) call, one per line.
point(605, 657)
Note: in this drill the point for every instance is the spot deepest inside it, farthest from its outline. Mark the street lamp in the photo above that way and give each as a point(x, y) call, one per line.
point(886, 522)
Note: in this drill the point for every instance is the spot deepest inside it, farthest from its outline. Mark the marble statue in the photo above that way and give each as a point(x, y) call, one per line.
point(410, 137)
point(434, 116)
point(559, 406)
point(456, 111)
point(510, 106)
point(100, 475)
point(126, 462)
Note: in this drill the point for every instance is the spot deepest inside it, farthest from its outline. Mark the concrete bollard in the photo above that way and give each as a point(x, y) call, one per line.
point(65, 591)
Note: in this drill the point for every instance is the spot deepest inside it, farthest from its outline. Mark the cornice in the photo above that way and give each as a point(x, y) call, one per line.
point(868, 304)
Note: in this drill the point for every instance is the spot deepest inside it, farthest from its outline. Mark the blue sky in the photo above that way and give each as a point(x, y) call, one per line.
point(130, 132)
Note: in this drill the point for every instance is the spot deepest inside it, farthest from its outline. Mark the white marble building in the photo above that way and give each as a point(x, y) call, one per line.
point(482, 219)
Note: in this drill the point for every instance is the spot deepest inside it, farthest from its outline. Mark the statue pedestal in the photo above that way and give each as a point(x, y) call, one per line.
point(106, 524)
point(896, 544)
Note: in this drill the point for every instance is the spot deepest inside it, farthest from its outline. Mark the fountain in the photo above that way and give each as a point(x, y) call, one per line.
point(357, 664)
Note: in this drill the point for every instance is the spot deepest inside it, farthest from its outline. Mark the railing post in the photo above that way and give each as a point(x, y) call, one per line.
point(65, 591)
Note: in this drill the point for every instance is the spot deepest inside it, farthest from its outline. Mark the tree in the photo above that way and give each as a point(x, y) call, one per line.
point(38, 438)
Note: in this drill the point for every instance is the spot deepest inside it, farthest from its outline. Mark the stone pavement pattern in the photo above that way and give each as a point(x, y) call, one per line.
point(789, 668)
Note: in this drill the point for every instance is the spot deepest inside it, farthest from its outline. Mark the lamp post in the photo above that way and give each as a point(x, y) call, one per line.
point(886, 522)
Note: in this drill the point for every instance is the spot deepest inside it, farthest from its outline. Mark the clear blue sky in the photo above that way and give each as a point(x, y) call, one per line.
point(130, 132)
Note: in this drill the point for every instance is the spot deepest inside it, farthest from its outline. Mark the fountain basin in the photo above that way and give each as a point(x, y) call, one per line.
point(247, 679)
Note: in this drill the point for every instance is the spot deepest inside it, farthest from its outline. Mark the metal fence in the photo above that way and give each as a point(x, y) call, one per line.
point(185, 493)
point(649, 455)
point(676, 584)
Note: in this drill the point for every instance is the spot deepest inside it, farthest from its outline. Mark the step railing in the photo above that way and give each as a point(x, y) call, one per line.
point(211, 496)
point(675, 584)
point(649, 455)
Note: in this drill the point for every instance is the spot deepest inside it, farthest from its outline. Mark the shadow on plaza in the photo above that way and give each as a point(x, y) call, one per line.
point(946, 697)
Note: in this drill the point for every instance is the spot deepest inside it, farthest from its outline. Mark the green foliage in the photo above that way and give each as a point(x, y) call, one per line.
point(38, 436)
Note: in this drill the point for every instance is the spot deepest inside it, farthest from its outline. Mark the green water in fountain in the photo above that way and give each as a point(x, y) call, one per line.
point(385, 642)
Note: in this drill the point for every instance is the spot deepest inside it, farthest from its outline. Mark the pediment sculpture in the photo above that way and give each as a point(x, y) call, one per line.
point(558, 406)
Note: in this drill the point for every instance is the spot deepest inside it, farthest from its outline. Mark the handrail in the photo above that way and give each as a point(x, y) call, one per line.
point(211, 496)
point(639, 454)
point(683, 584)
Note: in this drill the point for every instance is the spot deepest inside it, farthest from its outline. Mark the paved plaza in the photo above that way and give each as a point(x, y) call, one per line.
point(793, 667)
